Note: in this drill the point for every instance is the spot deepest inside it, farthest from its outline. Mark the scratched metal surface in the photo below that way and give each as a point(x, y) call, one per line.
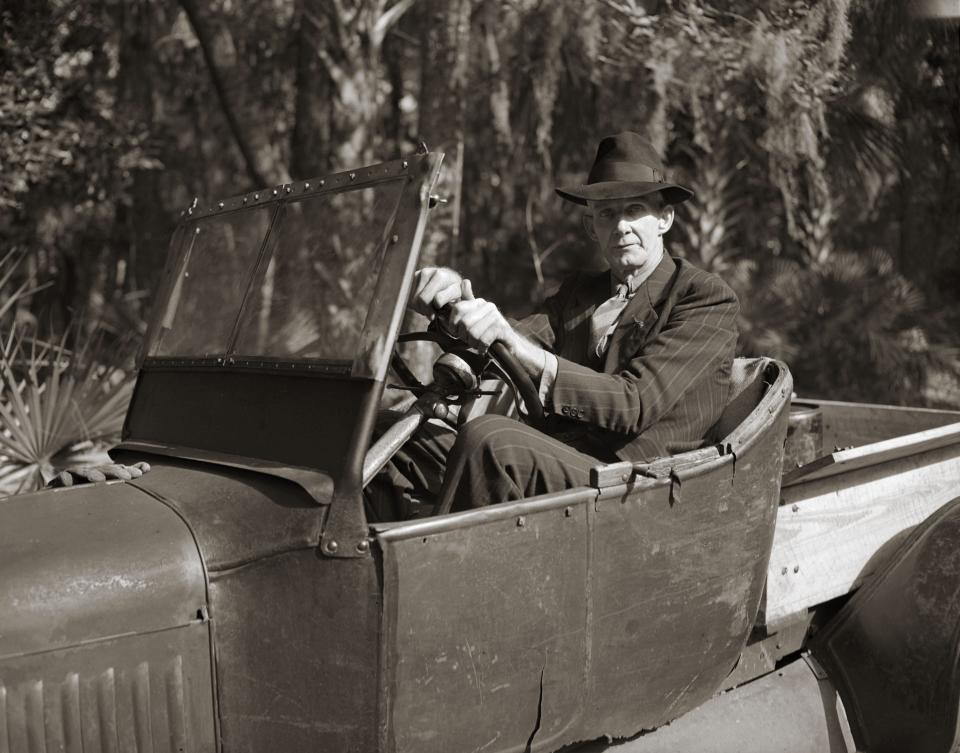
point(84, 563)
point(297, 653)
point(484, 631)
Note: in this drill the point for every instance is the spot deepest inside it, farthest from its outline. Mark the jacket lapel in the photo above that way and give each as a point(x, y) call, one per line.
point(639, 316)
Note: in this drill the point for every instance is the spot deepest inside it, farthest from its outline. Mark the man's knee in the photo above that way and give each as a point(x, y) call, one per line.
point(486, 433)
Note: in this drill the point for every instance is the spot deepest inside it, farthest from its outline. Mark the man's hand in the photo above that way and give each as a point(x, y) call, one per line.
point(434, 288)
point(99, 473)
point(478, 322)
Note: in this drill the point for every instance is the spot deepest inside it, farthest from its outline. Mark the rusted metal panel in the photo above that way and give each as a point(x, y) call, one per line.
point(236, 516)
point(84, 563)
point(485, 617)
point(894, 648)
point(791, 710)
point(297, 653)
point(150, 693)
point(679, 567)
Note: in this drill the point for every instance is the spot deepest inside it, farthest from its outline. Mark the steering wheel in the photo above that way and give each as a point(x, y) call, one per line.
point(503, 361)
point(450, 381)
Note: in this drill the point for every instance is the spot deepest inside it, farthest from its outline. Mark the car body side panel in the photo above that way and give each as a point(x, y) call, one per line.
point(485, 640)
point(149, 692)
point(297, 653)
point(679, 568)
point(894, 649)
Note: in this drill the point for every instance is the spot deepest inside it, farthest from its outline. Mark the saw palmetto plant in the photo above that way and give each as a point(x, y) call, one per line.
point(59, 408)
point(60, 405)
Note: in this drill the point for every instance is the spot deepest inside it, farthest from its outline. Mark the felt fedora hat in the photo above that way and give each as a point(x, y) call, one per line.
point(626, 166)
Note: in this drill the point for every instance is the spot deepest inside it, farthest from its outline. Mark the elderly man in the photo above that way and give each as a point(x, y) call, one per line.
point(632, 364)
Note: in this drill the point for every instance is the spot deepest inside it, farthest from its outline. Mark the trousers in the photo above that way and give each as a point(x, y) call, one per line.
point(491, 459)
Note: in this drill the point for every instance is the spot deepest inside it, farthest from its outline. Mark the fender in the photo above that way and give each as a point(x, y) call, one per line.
point(894, 648)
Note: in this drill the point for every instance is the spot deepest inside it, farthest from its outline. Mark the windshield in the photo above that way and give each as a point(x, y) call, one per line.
point(300, 289)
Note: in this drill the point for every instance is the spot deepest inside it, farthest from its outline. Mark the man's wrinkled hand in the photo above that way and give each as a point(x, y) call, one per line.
point(96, 473)
point(478, 322)
point(434, 288)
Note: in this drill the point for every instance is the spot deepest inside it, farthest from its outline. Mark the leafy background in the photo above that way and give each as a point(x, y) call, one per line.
point(822, 138)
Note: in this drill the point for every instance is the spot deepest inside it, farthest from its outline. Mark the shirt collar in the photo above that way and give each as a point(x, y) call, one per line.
point(635, 280)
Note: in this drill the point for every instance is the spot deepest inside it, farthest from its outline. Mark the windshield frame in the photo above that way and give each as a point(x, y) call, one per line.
point(401, 241)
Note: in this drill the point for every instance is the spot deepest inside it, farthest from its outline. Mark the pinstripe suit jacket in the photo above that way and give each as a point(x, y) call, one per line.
point(665, 377)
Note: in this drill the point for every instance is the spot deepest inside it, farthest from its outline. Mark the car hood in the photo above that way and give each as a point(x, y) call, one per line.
point(93, 561)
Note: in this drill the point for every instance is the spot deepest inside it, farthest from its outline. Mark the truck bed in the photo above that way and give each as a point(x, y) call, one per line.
point(884, 470)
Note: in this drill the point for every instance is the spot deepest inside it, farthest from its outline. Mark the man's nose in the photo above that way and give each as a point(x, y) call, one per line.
point(623, 227)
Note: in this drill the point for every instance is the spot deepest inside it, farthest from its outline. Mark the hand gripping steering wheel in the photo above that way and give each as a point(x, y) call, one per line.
point(455, 380)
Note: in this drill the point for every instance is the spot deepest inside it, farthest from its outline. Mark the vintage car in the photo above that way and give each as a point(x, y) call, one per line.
point(237, 598)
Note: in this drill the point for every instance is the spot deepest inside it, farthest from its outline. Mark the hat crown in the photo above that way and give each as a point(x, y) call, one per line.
point(626, 156)
point(626, 166)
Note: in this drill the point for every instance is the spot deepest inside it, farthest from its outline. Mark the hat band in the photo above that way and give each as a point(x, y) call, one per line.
point(627, 172)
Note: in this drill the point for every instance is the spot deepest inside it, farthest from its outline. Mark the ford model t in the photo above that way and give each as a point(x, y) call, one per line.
point(237, 598)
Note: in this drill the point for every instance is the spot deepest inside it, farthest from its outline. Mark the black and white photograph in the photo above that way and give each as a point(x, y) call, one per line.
point(479, 376)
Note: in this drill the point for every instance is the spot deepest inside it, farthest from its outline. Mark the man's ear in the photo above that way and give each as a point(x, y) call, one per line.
point(587, 220)
point(666, 219)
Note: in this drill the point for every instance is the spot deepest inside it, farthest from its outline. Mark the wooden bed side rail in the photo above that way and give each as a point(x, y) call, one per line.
point(838, 523)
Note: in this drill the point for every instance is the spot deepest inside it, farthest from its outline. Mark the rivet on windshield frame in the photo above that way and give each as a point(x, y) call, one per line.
point(395, 239)
point(275, 192)
point(521, 522)
point(244, 199)
point(323, 183)
point(353, 176)
point(196, 231)
point(220, 205)
point(783, 571)
point(190, 211)
point(796, 568)
point(568, 512)
point(403, 165)
point(363, 546)
point(256, 197)
point(306, 186)
point(332, 546)
point(288, 189)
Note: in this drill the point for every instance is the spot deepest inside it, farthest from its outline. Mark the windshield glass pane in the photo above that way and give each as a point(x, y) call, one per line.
point(313, 299)
point(220, 255)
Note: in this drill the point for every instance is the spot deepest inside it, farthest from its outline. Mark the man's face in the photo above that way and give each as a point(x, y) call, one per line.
point(630, 231)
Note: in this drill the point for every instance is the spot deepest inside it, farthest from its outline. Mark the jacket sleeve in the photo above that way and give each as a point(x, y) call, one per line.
point(698, 339)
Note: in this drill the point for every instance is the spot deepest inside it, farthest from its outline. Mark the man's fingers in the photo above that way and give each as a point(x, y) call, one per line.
point(118, 471)
point(449, 294)
point(143, 466)
point(64, 478)
point(466, 290)
point(91, 474)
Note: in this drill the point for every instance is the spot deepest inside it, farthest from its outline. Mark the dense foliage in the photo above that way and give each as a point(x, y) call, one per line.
point(822, 138)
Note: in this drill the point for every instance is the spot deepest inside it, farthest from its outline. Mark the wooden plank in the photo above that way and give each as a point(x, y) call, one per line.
point(850, 424)
point(875, 453)
point(829, 531)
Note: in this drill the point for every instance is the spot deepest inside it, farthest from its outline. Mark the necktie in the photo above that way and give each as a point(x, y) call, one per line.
point(604, 319)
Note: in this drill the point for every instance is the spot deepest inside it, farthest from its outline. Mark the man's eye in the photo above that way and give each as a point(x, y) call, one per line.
point(606, 214)
point(635, 210)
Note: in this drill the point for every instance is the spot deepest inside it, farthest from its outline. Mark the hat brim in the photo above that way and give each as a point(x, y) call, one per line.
point(619, 189)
